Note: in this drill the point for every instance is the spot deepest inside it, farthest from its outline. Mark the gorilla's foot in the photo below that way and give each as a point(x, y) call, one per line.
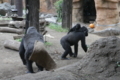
point(71, 55)
point(29, 72)
point(74, 56)
point(62, 58)
point(24, 63)
point(40, 70)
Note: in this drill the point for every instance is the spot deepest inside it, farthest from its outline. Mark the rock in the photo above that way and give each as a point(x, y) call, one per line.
point(77, 11)
point(108, 32)
point(47, 6)
point(51, 20)
point(16, 24)
point(102, 58)
point(107, 14)
point(4, 8)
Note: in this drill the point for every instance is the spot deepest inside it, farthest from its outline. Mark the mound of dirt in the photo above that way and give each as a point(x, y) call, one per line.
point(100, 63)
point(103, 58)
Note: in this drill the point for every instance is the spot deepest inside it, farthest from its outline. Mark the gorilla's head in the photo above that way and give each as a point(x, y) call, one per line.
point(31, 30)
point(85, 30)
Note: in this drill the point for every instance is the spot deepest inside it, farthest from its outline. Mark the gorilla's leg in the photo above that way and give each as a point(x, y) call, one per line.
point(76, 50)
point(29, 66)
point(39, 67)
point(22, 53)
point(66, 46)
point(28, 62)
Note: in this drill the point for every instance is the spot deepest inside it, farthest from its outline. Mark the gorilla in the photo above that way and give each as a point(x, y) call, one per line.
point(72, 39)
point(27, 46)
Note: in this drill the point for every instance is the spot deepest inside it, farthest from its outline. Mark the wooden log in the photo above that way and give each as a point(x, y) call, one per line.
point(44, 32)
point(16, 24)
point(12, 44)
point(4, 22)
point(17, 37)
point(11, 30)
point(42, 22)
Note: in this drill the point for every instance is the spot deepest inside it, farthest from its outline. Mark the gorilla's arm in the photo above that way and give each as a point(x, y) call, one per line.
point(83, 44)
point(76, 49)
point(22, 52)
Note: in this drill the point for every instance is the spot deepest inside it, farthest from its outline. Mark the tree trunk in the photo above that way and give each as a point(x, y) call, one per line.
point(27, 15)
point(1, 1)
point(11, 30)
point(19, 7)
point(67, 14)
point(12, 2)
point(34, 13)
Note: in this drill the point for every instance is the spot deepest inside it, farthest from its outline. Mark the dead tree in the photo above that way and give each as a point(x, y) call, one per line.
point(19, 7)
point(1, 1)
point(12, 2)
point(32, 17)
point(67, 14)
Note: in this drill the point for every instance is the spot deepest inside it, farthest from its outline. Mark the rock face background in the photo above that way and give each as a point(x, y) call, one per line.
point(99, 64)
point(107, 14)
point(47, 6)
point(77, 11)
point(5, 8)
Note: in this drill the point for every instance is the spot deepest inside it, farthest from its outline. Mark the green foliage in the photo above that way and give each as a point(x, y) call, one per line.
point(19, 40)
point(5, 18)
point(57, 27)
point(48, 44)
point(58, 6)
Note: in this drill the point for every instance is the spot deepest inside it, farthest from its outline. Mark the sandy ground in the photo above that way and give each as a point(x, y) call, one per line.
point(11, 65)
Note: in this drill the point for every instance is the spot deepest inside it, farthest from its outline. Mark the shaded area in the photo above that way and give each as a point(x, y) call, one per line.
point(89, 11)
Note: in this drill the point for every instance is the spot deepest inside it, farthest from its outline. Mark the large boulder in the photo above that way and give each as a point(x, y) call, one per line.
point(103, 59)
point(5, 8)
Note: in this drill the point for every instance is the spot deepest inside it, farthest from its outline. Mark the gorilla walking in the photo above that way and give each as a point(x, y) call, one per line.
point(75, 34)
point(27, 46)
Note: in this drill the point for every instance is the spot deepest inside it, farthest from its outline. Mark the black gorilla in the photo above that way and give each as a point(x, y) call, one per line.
point(27, 45)
point(72, 39)
point(75, 28)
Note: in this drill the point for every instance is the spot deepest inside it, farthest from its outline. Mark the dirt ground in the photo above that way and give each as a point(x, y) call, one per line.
point(11, 65)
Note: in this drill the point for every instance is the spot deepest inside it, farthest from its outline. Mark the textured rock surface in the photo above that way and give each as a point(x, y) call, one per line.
point(47, 6)
point(16, 24)
point(77, 11)
point(107, 14)
point(108, 32)
point(4, 8)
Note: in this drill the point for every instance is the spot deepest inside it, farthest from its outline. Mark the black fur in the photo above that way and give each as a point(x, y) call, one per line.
point(72, 39)
point(27, 45)
point(75, 28)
